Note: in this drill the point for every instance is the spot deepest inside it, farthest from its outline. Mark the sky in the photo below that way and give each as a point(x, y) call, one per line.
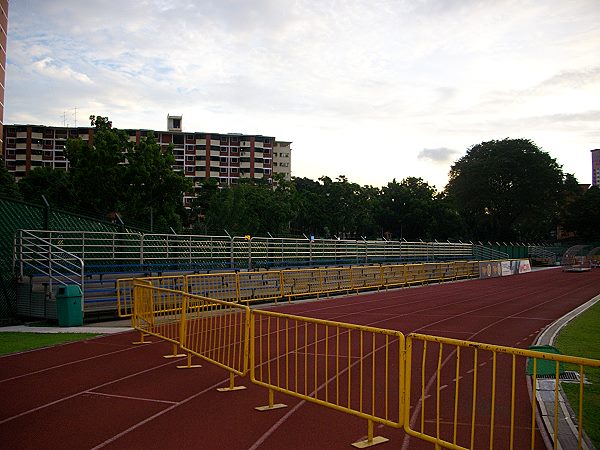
point(371, 89)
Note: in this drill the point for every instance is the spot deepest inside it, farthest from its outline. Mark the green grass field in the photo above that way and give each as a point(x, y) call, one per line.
point(581, 337)
point(18, 342)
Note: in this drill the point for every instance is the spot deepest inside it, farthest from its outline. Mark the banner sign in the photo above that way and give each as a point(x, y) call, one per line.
point(490, 269)
point(494, 269)
point(524, 266)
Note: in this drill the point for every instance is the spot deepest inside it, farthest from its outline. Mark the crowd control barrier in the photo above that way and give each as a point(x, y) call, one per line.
point(461, 393)
point(248, 287)
point(455, 394)
point(338, 365)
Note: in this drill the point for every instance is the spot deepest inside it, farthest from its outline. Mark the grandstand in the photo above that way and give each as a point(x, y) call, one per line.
point(42, 248)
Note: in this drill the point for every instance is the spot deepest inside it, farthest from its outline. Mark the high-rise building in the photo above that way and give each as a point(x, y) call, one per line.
point(596, 167)
point(226, 158)
point(3, 40)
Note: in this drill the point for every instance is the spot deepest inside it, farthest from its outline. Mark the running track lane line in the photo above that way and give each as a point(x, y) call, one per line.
point(37, 408)
point(158, 414)
point(69, 363)
point(430, 382)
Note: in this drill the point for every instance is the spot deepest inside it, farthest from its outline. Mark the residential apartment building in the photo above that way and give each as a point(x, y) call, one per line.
point(282, 154)
point(226, 158)
point(3, 39)
point(596, 167)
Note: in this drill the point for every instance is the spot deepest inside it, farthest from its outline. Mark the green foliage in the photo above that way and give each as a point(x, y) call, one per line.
point(507, 190)
point(582, 215)
point(54, 185)
point(249, 208)
point(152, 188)
point(500, 190)
point(413, 210)
point(96, 168)
point(8, 185)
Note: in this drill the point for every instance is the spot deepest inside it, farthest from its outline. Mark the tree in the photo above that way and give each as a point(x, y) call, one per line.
point(507, 190)
point(8, 185)
point(97, 169)
point(249, 208)
point(582, 215)
point(154, 192)
point(412, 209)
point(54, 184)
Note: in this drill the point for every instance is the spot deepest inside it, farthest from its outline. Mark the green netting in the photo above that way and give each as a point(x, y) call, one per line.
point(15, 215)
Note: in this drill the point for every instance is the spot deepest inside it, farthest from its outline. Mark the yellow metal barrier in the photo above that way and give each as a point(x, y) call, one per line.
point(220, 286)
point(467, 393)
point(300, 282)
point(125, 290)
point(351, 368)
point(278, 284)
point(259, 286)
point(366, 277)
point(217, 332)
point(158, 312)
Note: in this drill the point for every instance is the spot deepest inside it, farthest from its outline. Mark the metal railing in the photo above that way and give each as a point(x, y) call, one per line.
point(338, 365)
point(53, 263)
point(130, 252)
point(248, 287)
point(468, 392)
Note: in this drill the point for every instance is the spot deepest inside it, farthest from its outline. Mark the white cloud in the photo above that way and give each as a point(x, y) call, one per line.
point(357, 85)
point(438, 155)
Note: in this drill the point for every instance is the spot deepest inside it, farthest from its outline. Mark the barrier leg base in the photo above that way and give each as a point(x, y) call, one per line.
point(142, 340)
point(270, 407)
point(175, 354)
point(234, 388)
point(370, 440)
point(189, 364)
point(272, 404)
point(368, 443)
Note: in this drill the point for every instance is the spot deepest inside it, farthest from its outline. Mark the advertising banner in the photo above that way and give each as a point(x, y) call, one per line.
point(490, 269)
point(524, 266)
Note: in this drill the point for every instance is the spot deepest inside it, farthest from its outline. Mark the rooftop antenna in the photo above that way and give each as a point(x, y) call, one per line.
point(75, 114)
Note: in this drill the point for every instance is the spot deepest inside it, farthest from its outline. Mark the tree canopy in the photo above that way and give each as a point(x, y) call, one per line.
point(582, 215)
point(8, 185)
point(507, 190)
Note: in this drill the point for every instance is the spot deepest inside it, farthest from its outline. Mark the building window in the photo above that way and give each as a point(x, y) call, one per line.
point(223, 170)
point(235, 149)
point(234, 170)
point(189, 169)
point(223, 160)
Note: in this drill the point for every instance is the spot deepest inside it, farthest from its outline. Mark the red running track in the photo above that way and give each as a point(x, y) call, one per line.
point(107, 393)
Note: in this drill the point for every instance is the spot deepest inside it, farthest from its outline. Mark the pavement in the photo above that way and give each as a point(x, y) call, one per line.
point(116, 326)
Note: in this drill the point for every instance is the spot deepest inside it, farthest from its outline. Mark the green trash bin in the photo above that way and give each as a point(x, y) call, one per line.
point(68, 304)
point(545, 367)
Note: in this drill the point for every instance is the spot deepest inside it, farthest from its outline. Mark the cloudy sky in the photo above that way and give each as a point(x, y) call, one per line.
point(371, 89)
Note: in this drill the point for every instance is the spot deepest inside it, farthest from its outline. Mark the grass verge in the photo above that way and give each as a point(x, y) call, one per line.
point(581, 338)
point(18, 342)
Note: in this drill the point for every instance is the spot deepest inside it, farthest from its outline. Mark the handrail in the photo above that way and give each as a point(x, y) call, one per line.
point(49, 260)
point(160, 252)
